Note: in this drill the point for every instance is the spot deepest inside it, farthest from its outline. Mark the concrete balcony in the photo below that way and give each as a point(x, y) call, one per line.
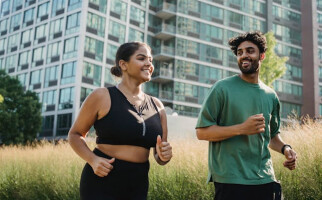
point(166, 10)
point(165, 32)
point(164, 53)
point(162, 75)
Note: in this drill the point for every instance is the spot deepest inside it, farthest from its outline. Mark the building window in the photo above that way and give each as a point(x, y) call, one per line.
point(64, 123)
point(11, 63)
point(15, 22)
point(13, 43)
point(70, 48)
point(23, 79)
point(66, 98)
point(5, 5)
point(51, 76)
point(74, 4)
point(135, 35)
point(95, 24)
point(47, 126)
point(2, 63)
point(43, 10)
point(35, 80)
point(57, 7)
point(118, 9)
point(110, 53)
point(116, 32)
point(287, 88)
point(92, 74)
point(108, 78)
point(16, 5)
point(72, 25)
point(26, 38)
point(28, 18)
point(38, 56)
point(56, 29)
point(4, 27)
point(49, 100)
point(93, 49)
point(53, 52)
point(290, 109)
point(24, 60)
point(2, 46)
point(29, 2)
point(137, 17)
point(84, 93)
point(99, 5)
point(40, 34)
point(68, 73)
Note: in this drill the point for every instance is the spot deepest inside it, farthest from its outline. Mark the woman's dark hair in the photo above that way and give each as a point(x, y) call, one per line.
point(124, 52)
point(255, 37)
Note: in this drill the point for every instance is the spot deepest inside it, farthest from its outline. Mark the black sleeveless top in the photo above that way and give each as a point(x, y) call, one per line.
point(124, 125)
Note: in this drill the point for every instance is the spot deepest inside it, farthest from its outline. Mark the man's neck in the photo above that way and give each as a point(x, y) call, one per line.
point(250, 78)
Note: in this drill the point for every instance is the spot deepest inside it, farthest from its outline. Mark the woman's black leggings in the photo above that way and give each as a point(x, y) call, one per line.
point(126, 181)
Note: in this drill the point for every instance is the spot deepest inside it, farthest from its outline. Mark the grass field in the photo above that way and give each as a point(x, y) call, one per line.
point(48, 171)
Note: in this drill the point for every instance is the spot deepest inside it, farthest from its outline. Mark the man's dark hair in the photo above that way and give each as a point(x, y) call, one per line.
point(255, 37)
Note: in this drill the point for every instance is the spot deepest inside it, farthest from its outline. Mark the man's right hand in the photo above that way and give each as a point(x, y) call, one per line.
point(253, 125)
point(102, 166)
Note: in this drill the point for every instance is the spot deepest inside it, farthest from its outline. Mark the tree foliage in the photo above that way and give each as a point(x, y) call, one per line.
point(273, 66)
point(20, 112)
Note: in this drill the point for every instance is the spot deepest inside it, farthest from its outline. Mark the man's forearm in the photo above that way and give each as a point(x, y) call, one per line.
point(217, 133)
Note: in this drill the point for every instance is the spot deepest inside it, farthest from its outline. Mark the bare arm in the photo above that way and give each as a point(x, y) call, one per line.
point(276, 144)
point(89, 112)
point(253, 125)
point(163, 150)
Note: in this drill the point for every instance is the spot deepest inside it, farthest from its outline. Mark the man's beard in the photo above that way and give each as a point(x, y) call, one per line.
point(254, 64)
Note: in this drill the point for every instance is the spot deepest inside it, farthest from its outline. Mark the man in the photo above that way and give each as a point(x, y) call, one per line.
point(240, 119)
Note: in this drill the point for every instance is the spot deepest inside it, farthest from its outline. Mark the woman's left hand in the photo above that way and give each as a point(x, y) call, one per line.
point(164, 150)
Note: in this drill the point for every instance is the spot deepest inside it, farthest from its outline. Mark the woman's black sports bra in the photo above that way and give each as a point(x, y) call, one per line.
point(124, 125)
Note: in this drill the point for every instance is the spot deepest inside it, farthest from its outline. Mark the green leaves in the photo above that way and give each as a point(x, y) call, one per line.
point(273, 66)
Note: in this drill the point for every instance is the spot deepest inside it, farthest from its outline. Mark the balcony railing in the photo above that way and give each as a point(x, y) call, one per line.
point(164, 53)
point(166, 10)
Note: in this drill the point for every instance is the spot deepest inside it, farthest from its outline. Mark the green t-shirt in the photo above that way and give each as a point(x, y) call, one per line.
point(241, 159)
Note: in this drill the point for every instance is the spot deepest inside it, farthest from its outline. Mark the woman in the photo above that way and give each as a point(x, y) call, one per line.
point(128, 123)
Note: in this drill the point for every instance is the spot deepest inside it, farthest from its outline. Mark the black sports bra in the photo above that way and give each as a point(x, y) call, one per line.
point(124, 125)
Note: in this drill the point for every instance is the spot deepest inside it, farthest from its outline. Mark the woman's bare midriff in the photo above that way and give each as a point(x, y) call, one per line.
point(128, 153)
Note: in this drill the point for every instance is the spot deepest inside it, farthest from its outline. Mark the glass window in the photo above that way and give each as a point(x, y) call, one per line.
point(2, 63)
point(116, 32)
point(84, 93)
point(53, 52)
point(51, 76)
point(137, 17)
point(47, 126)
point(4, 27)
point(109, 79)
point(23, 79)
point(49, 100)
point(40, 34)
point(118, 9)
point(95, 24)
point(72, 25)
point(13, 42)
point(93, 48)
point(38, 56)
point(28, 18)
point(2, 46)
point(11, 63)
point(29, 2)
point(211, 13)
point(68, 73)
point(43, 10)
point(26, 38)
point(142, 2)
point(74, 4)
point(99, 5)
point(16, 5)
point(66, 98)
point(110, 53)
point(57, 7)
point(24, 60)
point(35, 80)
point(15, 22)
point(135, 35)
point(92, 74)
point(290, 109)
point(70, 48)
point(56, 29)
point(64, 123)
point(5, 8)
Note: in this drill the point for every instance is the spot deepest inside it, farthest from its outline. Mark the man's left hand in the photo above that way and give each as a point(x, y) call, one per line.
point(291, 158)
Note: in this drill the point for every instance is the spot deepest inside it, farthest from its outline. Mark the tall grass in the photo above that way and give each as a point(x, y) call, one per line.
point(48, 171)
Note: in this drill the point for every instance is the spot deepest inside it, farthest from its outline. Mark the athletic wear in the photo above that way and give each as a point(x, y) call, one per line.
point(126, 181)
point(243, 159)
point(124, 125)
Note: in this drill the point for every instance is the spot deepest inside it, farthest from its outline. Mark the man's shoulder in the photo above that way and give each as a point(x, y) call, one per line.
point(225, 82)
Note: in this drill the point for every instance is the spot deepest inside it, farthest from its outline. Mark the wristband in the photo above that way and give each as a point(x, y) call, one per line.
point(283, 148)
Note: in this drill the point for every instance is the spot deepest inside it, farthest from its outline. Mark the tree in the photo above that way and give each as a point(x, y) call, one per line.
point(272, 66)
point(20, 112)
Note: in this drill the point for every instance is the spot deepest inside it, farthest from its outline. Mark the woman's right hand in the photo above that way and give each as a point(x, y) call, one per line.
point(102, 166)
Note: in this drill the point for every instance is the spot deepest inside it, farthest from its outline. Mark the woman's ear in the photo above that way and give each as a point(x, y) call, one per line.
point(123, 65)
